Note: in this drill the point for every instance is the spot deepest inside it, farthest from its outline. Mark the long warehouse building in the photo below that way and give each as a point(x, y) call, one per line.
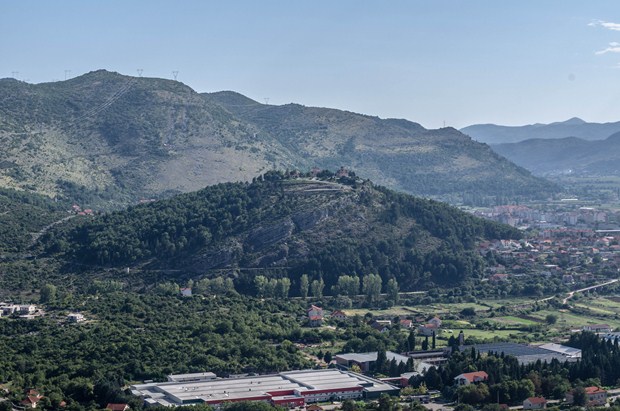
point(289, 389)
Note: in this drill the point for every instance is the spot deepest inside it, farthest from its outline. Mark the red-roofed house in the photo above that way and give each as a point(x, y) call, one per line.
point(117, 407)
point(471, 378)
point(534, 403)
point(594, 396)
point(32, 399)
point(339, 315)
point(498, 277)
point(315, 316)
point(406, 323)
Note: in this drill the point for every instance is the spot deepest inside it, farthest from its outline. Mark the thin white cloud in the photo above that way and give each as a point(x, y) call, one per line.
point(614, 47)
point(605, 24)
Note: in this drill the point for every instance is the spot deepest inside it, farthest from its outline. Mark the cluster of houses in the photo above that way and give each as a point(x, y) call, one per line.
point(594, 396)
point(316, 318)
point(579, 251)
point(34, 397)
point(7, 309)
point(77, 210)
point(565, 214)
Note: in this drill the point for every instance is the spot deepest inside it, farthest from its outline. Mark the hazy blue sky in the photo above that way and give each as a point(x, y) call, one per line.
point(462, 62)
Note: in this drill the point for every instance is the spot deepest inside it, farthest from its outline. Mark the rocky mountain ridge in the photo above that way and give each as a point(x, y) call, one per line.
point(109, 140)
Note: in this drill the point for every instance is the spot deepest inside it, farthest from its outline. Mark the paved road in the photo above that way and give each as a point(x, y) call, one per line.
point(572, 293)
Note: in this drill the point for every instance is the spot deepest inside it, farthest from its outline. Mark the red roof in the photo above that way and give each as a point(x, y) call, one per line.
point(117, 407)
point(594, 390)
point(474, 376)
point(537, 400)
point(31, 399)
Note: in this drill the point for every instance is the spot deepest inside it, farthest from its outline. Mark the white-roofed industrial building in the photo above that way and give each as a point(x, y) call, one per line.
point(293, 389)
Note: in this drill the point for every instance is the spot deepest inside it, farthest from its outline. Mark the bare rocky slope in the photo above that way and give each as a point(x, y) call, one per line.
point(108, 140)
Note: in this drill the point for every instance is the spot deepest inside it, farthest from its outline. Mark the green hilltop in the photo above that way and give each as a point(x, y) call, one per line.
point(283, 225)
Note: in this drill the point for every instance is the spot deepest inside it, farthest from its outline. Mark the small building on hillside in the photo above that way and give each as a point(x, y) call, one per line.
point(406, 323)
point(339, 315)
point(32, 399)
point(27, 309)
point(471, 378)
point(315, 316)
point(186, 292)
point(594, 396)
point(75, 318)
point(534, 403)
point(117, 407)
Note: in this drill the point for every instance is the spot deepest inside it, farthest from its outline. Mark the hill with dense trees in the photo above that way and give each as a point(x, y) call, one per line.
point(108, 140)
point(283, 226)
point(22, 216)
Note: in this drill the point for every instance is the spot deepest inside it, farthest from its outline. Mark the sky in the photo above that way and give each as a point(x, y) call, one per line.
point(438, 62)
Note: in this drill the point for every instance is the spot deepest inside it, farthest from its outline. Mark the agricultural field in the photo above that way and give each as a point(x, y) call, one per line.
point(479, 334)
point(515, 321)
point(421, 310)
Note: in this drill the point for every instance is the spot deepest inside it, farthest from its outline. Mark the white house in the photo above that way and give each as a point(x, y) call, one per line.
point(75, 318)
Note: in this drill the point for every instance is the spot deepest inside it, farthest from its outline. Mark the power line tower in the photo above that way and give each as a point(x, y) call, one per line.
point(175, 73)
point(266, 100)
point(140, 72)
point(15, 74)
point(67, 72)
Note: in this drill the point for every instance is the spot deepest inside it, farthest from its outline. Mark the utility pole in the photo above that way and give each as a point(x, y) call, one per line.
point(266, 100)
point(175, 73)
point(140, 72)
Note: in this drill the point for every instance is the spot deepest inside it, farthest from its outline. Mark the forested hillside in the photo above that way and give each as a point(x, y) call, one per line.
point(22, 216)
point(284, 226)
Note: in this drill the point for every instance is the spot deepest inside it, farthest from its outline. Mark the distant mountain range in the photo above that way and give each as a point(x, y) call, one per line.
point(108, 139)
point(565, 156)
point(574, 127)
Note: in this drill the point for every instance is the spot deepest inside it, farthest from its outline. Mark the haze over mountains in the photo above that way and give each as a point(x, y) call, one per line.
point(113, 138)
point(568, 155)
point(569, 147)
point(574, 127)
